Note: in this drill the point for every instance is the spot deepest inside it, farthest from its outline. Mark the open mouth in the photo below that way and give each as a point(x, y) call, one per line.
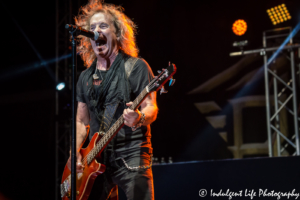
point(101, 41)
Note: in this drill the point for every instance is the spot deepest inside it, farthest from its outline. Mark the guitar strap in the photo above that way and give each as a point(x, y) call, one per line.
point(129, 64)
point(110, 109)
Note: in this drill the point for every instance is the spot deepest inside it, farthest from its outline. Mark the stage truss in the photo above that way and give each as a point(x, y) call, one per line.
point(64, 15)
point(284, 92)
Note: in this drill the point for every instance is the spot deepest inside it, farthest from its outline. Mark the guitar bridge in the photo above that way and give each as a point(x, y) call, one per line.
point(64, 188)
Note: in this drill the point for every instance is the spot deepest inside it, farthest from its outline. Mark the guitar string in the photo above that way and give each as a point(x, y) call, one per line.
point(100, 145)
point(113, 127)
point(107, 137)
point(119, 120)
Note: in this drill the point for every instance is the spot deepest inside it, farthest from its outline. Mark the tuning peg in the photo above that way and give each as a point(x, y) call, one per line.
point(172, 81)
point(163, 90)
point(159, 71)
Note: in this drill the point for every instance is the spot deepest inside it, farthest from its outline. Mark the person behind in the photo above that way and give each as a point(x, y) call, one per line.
point(107, 87)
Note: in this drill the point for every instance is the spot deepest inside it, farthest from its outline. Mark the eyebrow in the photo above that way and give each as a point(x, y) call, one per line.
point(95, 23)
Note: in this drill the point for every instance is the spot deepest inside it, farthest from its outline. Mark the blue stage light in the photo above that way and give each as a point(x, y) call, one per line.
point(60, 86)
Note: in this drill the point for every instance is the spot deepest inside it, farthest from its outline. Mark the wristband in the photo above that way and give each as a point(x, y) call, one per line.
point(139, 124)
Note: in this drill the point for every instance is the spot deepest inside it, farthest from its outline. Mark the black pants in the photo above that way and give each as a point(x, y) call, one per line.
point(137, 184)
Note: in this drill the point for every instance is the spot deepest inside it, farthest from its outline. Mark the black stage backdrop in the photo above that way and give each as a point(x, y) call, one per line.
point(195, 35)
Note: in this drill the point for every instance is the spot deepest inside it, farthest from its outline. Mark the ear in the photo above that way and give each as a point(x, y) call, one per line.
point(118, 34)
point(118, 31)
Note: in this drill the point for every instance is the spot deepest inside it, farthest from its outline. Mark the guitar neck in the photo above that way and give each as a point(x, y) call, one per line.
point(116, 127)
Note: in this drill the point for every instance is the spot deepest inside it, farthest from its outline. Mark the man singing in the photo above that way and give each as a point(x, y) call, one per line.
point(113, 79)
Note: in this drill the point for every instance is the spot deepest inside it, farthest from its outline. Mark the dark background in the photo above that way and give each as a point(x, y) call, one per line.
point(195, 35)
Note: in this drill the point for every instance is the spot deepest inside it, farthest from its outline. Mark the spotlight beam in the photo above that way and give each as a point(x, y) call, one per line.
point(291, 35)
point(259, 74)
point(30, 43)
point(24, 68)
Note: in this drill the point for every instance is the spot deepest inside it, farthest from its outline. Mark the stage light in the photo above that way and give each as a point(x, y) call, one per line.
point(279, 14)
point(239, 27)
point(60, 86)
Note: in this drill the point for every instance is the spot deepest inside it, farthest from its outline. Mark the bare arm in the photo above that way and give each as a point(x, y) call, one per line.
point(148, 107)
point(82, 119)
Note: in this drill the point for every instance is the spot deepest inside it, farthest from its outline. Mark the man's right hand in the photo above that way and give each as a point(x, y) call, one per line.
point(79, 165)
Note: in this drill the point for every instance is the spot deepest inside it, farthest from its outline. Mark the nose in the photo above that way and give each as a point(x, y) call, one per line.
point(98, 29)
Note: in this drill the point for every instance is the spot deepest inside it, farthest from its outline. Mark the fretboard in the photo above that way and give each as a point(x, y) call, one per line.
point(102, 143)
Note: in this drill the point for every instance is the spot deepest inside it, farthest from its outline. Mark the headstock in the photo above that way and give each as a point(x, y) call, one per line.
point(164, 75)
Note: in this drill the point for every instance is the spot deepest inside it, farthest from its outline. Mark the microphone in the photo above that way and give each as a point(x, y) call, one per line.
point(80, 31)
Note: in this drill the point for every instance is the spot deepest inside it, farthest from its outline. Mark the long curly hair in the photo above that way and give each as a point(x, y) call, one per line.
point(125, 29)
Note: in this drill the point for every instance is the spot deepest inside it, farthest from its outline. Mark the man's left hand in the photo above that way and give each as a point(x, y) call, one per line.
point(131, 117)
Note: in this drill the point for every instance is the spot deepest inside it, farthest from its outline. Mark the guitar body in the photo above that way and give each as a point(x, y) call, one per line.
point(85, 180)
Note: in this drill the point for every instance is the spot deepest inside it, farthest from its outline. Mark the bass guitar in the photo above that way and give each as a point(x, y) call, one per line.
point(85, 180)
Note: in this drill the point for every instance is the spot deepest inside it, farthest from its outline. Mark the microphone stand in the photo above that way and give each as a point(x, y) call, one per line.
point(73, 154)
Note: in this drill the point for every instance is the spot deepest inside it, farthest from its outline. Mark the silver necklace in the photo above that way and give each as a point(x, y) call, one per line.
point(95, 75)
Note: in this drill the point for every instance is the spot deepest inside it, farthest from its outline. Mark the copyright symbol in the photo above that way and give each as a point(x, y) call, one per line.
point(202, 192)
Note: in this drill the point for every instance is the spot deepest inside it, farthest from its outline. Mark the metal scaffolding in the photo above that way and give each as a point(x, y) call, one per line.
point(287, 88)
point(64, 15)
point(65, 11)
